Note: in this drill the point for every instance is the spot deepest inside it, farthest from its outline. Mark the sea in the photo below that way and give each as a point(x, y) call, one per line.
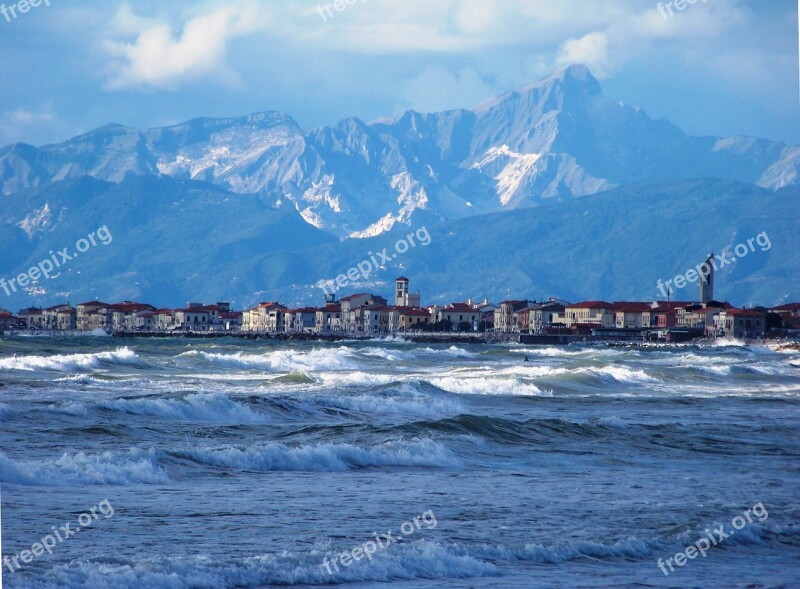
point(226, 463)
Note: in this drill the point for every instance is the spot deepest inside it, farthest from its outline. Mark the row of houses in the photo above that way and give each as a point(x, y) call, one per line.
point(360, 313)
point(126, 316)
point(712, 318)
point(369, 314)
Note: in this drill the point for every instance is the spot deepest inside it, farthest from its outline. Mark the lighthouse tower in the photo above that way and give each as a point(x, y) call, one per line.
point(707, 280)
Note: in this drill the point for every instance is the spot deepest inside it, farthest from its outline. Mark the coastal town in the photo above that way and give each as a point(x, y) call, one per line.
point(371, 315)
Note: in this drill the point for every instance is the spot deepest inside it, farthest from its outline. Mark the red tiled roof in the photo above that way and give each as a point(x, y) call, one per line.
point(94, 304)
point(674, 304)
point(631, 307)
point(409, 312)
point(591, 305)
point(745, 313)
point(267, 305)
point(359, 294)
point(461, 307)
point(129, 307)
point(704, 310)
point(793, 307)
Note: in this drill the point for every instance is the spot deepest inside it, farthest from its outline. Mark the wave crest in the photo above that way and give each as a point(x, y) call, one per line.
point(204, 407)
point(109, 468)
point(69, 362)
point(326, 457)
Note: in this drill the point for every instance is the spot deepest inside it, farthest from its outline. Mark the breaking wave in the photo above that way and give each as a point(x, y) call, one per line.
point(204, 407)
point(489, 386)
point(283, 360)
point(69, 362)
point(326, 457)
point(109, 468)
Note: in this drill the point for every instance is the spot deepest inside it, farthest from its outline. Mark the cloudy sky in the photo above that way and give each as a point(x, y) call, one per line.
point(718, 67)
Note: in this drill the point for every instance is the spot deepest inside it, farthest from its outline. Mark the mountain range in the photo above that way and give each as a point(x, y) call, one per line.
point(550, 190)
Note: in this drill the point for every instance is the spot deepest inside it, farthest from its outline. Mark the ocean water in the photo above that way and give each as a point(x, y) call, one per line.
point(242, 464)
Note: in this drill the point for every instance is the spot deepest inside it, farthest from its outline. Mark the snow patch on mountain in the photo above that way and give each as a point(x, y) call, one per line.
point(37, 221)
point(322, 204)
point(509, 168)
point(785, 172)
point(411, 197)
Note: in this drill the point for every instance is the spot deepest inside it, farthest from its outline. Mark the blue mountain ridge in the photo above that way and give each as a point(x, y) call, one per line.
point(176, 240)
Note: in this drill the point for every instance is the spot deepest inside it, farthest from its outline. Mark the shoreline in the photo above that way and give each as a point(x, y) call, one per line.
point(431, 338)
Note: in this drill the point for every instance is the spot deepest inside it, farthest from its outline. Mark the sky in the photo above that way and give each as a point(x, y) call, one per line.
point(715, 67)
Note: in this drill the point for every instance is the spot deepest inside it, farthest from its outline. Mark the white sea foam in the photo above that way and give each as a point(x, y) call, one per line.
point(326, 457)
point(391, 355)
point(488, 386)
point(620, 374)
point(79, 379)
point(69, 362)
point(725, 342)
point(69, 408)
point(535, 371)
point(547, 352)
point(568, 352)
point(358, 378)
point(405, 400)
point(284, 360)
point(204, 407)
point(773, 369)
point(451, 352)
point(405, 561)
point(6, 412)
point(109, 468)
point(612, 421)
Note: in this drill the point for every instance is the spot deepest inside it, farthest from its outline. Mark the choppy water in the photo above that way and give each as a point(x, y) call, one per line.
point(247, 464)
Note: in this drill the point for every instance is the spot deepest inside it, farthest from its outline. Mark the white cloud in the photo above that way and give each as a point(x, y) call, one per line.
point(590, 50)
point(603, 37)
point(158, 59)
